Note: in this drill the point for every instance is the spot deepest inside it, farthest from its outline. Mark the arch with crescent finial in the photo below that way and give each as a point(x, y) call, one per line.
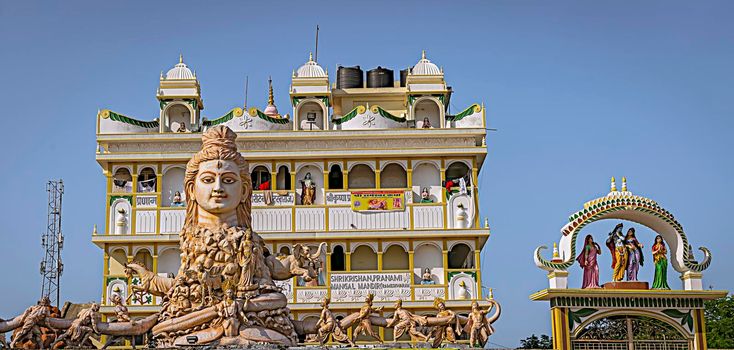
point(626, 206)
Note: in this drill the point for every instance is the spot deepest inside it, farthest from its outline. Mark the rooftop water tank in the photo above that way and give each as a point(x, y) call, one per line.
point(404, 76)
point(349, 77)
point(380, 77)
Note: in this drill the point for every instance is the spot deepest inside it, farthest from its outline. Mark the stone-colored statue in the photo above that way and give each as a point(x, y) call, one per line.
point(444, 332)
point(231, 315)
point(217, 242)
point(120, 309)
point(464, 292)
point(81, 328)
point(308, 190)
point(301, 263)
point(364, 325)
point(33, 318)
point(150, 282)
point(404, 321)
point(328, 325)
point(478, 325)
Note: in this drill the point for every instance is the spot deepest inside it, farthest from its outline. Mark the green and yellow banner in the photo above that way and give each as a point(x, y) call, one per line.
point(378, 200)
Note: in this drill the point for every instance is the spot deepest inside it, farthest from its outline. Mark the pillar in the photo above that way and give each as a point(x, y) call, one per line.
point(560, 329)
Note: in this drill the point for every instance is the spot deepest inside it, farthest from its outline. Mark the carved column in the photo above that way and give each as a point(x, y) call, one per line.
point(411, 267)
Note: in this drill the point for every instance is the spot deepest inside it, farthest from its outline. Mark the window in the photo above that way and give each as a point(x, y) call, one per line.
point(336, 178)
point(122, 181)
point(337, 259)
point(260, 178)
point(361, 176)
point(283, 179)
point(147, 180)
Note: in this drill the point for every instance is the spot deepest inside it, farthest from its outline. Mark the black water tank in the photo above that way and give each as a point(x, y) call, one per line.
point(349, 77)
point(380, 77)
point(404, 76)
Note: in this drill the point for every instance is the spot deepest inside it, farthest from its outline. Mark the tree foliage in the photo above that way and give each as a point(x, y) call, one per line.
point(720, 323)
point(535, 342)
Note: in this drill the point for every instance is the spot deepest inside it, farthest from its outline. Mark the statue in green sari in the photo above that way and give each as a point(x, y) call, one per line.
point(659, 254)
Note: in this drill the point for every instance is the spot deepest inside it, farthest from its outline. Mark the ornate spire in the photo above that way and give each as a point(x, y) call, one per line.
point(310, 56)
point(180, 58)
point(614, 185)
point(624, 184)
point(271, 99)
point(423, 55)
point(555, 251)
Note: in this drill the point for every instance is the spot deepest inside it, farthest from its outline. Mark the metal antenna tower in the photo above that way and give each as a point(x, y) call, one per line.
point(52, 242)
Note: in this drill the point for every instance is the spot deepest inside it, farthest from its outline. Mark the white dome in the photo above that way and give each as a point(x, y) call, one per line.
point(425, 67)
point(310, 69)
point(180, 71)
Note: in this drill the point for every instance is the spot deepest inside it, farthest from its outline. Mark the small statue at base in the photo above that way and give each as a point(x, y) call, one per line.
point(81, 328)
point(478, 327)
point(120, 310)
point(231, 314)
point(33, 318)
point(329, 325)
point(365, 325)
point(403, 321)
point(444, 332)
point(308, 190)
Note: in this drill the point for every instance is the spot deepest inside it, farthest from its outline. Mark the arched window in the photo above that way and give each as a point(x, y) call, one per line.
point(284, 250)
point(428, 256)
point(147, 180)
point(144, 257)
point(118, 259)
point(122, 181)
point(427, 114)
point(395, 258)
point(426, 176)
point(173, 193)
point(283, 179)
point(364, 258)
point(458, 170)
point(361, 176)
point(461, 257)
point(178, 118)
point(260, 178)
point(310, 116)
point(317, 180)
point(337, 259)
point(169, 261)
point(393, 176)
point(630, 332)
point(336, 178)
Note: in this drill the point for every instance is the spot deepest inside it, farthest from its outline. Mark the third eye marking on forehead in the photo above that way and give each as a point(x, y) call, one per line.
point(219, 164)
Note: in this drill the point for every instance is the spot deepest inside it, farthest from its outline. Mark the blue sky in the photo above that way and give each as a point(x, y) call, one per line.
point(579, 91)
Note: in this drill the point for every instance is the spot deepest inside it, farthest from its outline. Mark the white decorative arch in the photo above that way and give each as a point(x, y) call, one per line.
point(352, 164)
point(301, 165)
point(264, 165)
point(386, 245)
point(115, 168)
point(372, 245)
point(115, 248)
point(168, 167)
point(143, 166)
point(139, 248)
point(623, 205)
point(464, 161)
point(470, 244)
point(165, 123)
point(164, 248)
point(417, 245)
point(402, 163)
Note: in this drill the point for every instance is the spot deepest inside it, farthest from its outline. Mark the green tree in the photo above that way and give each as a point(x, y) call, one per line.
point(720, 323)
point(535, 342)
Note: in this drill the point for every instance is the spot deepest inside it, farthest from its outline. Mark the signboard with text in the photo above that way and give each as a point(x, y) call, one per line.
point(378, 200)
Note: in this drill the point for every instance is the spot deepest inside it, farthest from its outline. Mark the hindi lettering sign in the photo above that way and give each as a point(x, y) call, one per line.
point(146, 201)
point(350, 287)
point(338, 198)
point(378, 200)
point(284, 198)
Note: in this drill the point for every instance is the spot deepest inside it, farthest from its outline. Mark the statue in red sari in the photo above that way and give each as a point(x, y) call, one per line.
point(587, 261)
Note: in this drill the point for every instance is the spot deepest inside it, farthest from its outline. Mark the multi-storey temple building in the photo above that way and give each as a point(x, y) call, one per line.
point(377, 169)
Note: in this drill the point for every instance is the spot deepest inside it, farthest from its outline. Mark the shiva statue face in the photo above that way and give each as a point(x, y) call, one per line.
point(218, 187)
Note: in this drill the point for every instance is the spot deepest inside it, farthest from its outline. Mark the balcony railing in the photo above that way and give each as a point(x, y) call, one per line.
point(282, 215)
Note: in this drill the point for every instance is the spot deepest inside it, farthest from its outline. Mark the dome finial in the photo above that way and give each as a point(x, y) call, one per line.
point(180, 58)
point(614, 185)
point(271, 99)
point(423, 55)
point(310, 56)
point(624, 184)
